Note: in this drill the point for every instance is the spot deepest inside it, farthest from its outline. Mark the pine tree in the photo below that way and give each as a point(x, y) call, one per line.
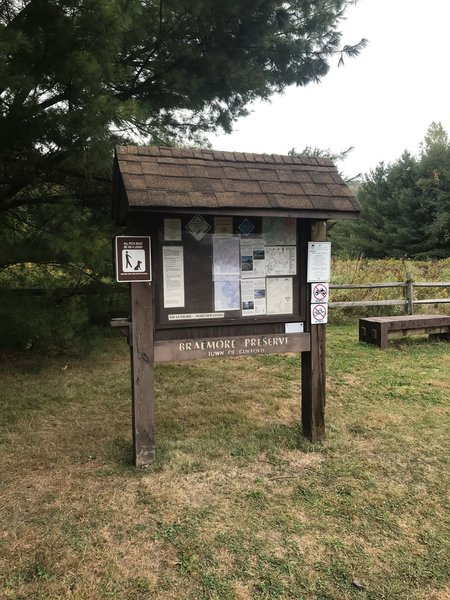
point(405, 206)
point(79, 76)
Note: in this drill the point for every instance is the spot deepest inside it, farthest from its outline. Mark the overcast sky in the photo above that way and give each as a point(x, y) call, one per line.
point(381, 102)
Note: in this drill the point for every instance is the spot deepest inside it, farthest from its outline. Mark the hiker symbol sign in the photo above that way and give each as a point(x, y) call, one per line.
point(132, 254)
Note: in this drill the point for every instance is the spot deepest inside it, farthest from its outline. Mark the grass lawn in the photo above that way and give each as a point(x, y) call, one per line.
point(238, 505)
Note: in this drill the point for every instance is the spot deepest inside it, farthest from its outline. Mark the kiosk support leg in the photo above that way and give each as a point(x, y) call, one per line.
point(313, 365)
point(142, 374)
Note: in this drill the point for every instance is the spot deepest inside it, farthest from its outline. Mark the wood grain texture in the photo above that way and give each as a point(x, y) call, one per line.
point(142, 374)
point(314, 386)
point(221, 347)
point(313, 364)
point(378, 330)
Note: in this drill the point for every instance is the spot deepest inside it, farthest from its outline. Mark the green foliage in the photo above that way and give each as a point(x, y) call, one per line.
point(336, 157)
point(405, 206)
point(76, 78)
point(58, 319)
point(322, 153)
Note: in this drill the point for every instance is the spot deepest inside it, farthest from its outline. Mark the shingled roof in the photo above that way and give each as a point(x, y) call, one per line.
point(181, 180)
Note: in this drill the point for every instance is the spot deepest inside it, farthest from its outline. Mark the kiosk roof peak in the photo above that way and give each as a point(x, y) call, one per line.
point(155, 179)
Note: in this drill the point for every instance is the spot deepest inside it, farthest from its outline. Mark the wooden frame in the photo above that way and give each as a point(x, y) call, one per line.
point(154, 340)
point(196, 188)
point(233, 323)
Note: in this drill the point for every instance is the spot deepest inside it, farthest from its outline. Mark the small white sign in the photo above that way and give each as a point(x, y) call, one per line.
point(319, 314)
point(293, 328)
point(195, 316)
point(319, 293)
point(319, 262)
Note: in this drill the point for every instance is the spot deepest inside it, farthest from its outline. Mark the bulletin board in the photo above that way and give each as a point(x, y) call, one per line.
point(222, 269)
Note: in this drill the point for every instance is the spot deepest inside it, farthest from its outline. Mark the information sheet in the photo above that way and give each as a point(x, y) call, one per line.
point(246, 258)
point(253, 294)
point(279, 231)
point(319, 261)
point(279, 295)
point(173, 276)
point(281, 260)
point(253, 263)
point(226, 257)
point(223, 225)
point(259, 258)
point(226, 295)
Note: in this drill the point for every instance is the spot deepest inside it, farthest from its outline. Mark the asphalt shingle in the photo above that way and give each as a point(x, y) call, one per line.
point(211, 179)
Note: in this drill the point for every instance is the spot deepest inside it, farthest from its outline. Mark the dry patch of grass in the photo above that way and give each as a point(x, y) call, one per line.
point(238, 505)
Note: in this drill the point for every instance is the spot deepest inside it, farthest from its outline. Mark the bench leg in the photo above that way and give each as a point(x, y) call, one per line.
point(383, 336)
point(370, 333)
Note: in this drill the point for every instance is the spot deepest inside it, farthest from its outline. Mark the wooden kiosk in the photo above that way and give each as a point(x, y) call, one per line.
point(230, 236)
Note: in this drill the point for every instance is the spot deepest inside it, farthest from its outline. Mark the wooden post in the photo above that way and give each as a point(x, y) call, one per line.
point(142, 377)
point(313, 364)
point(409, 292)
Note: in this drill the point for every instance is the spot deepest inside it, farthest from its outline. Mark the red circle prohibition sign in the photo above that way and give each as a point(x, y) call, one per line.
point(319, 312)
point(319, 291)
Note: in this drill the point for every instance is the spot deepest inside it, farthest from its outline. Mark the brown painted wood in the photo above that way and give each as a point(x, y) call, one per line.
point(154, 338)
point(142, 374)
point(406, 321)
point(313, 364)
point(378, 330)
point(421, 331)
point(229, 330)
point(314, 386)
point(225, 347)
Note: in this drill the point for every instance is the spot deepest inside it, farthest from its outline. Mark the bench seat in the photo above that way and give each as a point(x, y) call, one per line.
point(378, 330)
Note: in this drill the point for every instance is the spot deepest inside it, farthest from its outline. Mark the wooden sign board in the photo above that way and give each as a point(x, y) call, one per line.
point(225, 347)
point(223, 286)
point(133, 259)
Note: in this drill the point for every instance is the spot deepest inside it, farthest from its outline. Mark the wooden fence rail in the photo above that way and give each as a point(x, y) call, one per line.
point(407, 301)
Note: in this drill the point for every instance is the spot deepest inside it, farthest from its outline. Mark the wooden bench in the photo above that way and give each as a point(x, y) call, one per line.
point(378, 330)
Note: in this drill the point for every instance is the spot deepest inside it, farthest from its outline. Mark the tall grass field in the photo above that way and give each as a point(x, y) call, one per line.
point(366, 271)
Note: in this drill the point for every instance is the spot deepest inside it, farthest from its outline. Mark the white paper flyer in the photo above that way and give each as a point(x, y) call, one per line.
point(279, 296)
point(173, 276)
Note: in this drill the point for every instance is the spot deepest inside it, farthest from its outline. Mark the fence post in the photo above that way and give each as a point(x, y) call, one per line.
point(409, 294)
